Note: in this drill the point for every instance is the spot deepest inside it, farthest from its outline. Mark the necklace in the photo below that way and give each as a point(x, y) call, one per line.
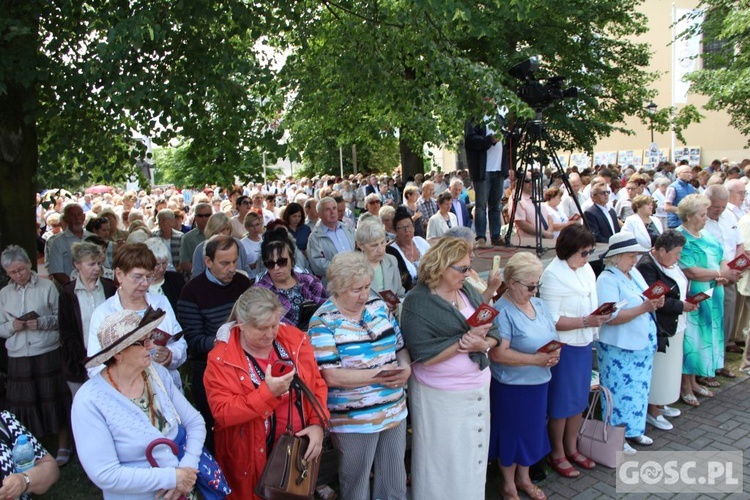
point(531, 315)
point(412, 253)
point(145, 403)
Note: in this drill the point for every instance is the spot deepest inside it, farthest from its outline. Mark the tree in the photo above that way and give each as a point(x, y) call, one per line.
point(725, 77)
point(420, 69)
point(78, 78)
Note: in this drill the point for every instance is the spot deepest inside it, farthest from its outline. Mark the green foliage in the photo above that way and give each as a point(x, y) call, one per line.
point(725, 79)
point(358, 70)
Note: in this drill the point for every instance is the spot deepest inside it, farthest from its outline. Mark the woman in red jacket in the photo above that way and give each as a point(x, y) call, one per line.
point(248, 402)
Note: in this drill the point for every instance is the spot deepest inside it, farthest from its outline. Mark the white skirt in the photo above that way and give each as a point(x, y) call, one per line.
point(666, 377)
point(451, 433)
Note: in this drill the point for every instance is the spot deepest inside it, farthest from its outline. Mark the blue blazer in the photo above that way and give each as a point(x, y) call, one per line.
point(464, 212)
point(597, 223)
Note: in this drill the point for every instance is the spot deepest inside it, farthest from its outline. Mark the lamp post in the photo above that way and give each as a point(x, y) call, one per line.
point(651, 109)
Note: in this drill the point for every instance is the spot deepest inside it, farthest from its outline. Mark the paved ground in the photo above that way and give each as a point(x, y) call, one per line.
point(720, 423)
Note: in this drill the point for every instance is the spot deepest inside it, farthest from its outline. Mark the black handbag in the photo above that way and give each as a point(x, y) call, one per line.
point(287, 475)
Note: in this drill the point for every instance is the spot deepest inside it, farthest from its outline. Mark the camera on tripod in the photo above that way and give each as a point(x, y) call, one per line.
point(533, 92)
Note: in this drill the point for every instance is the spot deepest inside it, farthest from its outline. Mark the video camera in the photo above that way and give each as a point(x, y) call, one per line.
point(533, 92)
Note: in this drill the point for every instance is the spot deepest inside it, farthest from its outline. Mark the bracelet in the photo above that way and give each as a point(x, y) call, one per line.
point(28, 481)
point(585, 323)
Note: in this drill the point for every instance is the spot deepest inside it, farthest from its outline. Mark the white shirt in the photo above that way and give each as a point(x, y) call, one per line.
point(726, 232)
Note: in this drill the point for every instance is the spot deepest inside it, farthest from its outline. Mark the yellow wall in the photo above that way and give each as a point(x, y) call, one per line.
point(713, 135)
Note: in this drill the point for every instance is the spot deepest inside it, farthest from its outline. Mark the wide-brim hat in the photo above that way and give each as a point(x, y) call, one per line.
point(120, 330)
point(623, 242)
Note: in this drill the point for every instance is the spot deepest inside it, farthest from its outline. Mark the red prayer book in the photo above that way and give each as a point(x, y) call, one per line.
point(657, 290)
point(390, 297)
point(551, 346)
point(483, 315)
point(740, 263)
point(700, 297)
point(608, 308)
point(160, 337)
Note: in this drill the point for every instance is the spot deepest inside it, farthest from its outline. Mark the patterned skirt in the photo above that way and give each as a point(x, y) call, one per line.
point(627, 374)
point(37, 393)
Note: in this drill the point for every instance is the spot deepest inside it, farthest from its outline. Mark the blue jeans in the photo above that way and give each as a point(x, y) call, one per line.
point(488, 193)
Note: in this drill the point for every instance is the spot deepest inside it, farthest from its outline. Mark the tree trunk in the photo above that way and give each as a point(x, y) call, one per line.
point(19, 153)
point(411, 162)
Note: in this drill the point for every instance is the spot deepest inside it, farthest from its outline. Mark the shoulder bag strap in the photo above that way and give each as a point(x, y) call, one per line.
point(314, 401)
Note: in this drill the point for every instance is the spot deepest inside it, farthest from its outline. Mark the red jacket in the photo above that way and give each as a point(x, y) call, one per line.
point(240, 409)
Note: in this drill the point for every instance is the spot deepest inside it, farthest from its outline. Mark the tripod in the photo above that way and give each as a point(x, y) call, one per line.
point(535, 148)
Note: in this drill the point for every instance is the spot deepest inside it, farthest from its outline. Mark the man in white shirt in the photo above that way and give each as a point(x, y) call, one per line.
point(722, 226)
point(568, 205)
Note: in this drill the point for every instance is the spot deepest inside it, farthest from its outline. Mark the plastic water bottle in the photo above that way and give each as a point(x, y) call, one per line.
point(23, 454)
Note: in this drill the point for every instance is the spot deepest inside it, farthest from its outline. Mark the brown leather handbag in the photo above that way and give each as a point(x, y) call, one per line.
point(287, 475)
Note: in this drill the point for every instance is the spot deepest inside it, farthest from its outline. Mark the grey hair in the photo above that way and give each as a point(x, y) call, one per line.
point(456, 182)
point(669, 240)
point(716, 192)
point(255, 306)
point(324, 201)
point(158, 248)
point(14, 253)
point(165, 214)
point(345, 268)
point(372, 197)
point(370, 230)
point(463, 232)
point(662, 181)
point(84, 250)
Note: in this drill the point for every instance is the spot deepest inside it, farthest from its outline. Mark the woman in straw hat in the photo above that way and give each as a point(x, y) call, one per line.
point(132, 402)
point(627, 342)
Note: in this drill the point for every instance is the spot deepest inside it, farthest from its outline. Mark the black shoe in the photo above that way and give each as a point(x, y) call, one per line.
point(498, 242)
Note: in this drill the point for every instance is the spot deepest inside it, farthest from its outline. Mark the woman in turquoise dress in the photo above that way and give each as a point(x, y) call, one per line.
point(702, 262)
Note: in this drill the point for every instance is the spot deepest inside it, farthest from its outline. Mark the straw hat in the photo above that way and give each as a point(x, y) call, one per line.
point(623, 242)
point(120, 330)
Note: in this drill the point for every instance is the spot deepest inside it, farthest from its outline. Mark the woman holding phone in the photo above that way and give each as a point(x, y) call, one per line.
point(247, 382)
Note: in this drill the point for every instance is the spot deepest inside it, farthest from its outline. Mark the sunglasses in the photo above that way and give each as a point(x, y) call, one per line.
point(586, 253)
point(202, 216)
point(603, 192)
point(270, 264)
point(530, 288)
point(247, 202)
point(374, 202)
point(461, 269)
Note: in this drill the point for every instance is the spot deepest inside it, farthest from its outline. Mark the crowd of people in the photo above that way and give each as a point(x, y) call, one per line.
point(166, 312)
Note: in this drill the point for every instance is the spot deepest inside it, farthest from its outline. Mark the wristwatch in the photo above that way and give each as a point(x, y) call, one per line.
point(27, 479)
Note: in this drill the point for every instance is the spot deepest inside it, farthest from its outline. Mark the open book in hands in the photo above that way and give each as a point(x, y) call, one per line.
point(608, 308)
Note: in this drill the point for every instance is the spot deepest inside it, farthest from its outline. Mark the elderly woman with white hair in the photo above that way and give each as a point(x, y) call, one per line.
point(370, 240)
point(361, 355)
point(167, 283)
point(36, 390)
point(627, 342)
point(373, 202)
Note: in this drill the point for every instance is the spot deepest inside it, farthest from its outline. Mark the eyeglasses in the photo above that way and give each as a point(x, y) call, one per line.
point(375, 201)
point(530, 288)
point(139, 278)
point(281, 262)
point(247, 202)
point(602, 192)
point(202, 216)
point(461, 269)
point(161, 263)
point(142, 342)
point(410, 227)
point(586, 253)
